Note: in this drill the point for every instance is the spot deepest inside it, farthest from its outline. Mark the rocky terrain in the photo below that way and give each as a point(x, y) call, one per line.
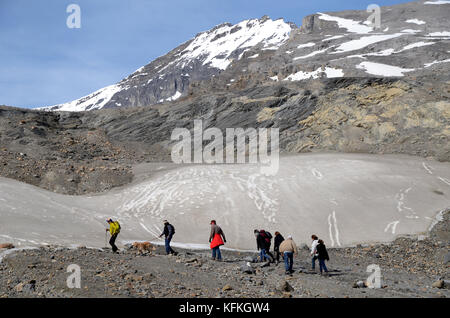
point(335, 84)
point(410, 267)
point(83, 152)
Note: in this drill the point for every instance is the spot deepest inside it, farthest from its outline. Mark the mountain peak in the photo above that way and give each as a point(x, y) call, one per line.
point(330, 44)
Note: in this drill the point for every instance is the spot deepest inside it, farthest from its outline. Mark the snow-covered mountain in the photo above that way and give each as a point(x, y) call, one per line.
point(414, 40)
point(167, 78)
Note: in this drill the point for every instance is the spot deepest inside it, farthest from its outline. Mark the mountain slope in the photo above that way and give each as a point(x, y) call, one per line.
point(168, 77)
point(414, 40)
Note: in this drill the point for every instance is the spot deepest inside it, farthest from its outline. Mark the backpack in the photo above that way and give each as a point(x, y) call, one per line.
point(118, 227)
point(266, 235)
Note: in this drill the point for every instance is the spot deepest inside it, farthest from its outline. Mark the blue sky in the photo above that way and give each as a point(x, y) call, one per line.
point(42, 62)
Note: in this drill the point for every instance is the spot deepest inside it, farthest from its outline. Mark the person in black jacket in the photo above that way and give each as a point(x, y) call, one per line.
point(263, 246)
point(276, 245)
point(322, 256)
point(168, 233)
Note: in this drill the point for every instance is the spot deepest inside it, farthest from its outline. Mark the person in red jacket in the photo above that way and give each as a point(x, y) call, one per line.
point(216, 238)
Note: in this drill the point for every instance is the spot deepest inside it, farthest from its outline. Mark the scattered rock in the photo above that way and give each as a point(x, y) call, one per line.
point(286, 287)
point(360, 284)
point(247, 268)
point(251, 259)
point(438, 284)
point(227, 287)
point(447, 258)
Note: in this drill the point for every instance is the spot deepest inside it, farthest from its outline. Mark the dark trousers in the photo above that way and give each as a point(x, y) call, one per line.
point(169, 249)
point(322, 266)
point(112, 242)
point(313, 262)
point(216, 251)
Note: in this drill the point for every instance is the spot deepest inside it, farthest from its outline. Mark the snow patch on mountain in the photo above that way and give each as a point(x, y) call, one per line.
point(436, 62)
point(364, 41)
point(328, 72)
point(310, 44)
point(96, 100)
point(310, 54)
point(383, 69)
point(415, 21)
point(439, 34)
point(216, 47)
point(438, 2)
point(174, 97)
point(334, 38)
point(349, 24)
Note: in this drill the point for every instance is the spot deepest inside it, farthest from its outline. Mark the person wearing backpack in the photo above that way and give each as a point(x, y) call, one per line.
point(276, 245)
point(217, 239)
point(268, 237)
point(168, 232)
point(322, 256)
point(114, 230)
point(263, 244)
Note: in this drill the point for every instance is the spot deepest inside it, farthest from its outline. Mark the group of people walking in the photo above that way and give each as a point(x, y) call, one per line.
point(286, 248)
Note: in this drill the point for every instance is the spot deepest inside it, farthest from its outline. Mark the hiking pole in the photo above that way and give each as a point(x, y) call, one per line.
point(106, 239)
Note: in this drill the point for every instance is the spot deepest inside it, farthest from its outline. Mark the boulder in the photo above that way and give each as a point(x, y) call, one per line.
point(360, 284)
point(286, 287)
point(247, 268)
point(438, 284)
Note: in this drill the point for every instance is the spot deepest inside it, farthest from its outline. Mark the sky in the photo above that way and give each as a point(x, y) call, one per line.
point(43, 62)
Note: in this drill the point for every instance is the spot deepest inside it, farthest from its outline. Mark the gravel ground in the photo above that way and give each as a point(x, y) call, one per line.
point(410, 267)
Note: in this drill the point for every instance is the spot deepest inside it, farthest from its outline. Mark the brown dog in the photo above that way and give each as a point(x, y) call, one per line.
point(144, 246)
point(7, 246)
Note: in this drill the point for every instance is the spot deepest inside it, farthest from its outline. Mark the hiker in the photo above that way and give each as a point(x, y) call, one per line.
point(322, 256)
point(315, 241)
point(216, 238)
point(268, 237)
point(276, 245)
point(114, 230)
point(168, 232)
point(262, 243)
point(288, 248)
